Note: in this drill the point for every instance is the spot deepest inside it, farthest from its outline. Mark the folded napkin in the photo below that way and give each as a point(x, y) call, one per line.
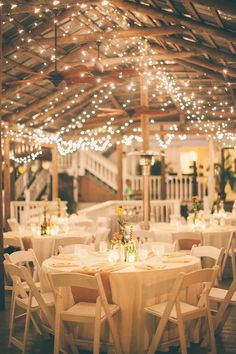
point(105, 267)
point(65, 257)
point(176, 259)
point(175, 254)
point(62, 264)
point(149, 266)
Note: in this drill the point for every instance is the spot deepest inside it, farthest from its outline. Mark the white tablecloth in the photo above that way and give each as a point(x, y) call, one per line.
point(132, 289)
point(217, 236)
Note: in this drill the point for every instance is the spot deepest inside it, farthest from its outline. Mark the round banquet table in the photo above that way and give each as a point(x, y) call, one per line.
point(217, 236)
point(43, 245)
point(132, 286)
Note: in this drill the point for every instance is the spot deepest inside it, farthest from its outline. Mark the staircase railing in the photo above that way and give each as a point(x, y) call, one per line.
point(101, 168)
point(42, 179)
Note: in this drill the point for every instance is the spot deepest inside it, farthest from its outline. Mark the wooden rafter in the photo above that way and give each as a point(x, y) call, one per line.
point(185, 21)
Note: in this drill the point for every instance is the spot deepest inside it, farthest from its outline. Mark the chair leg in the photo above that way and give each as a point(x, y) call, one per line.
point(57, 336)
point(182, 339)
point(221, 319)
point(11, 322)
point(233, 263)
point(35, 324)
point(26, 330)
point(211, 331)
point(97, 333)
point(157, 337)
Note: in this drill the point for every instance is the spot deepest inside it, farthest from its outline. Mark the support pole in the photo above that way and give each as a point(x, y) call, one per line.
point(211, 177)
point(2, 293)
point(146, 194)
point(7, 181)
point(54, 173)
point(163, 176)
point(144, 118)
point(119, 161)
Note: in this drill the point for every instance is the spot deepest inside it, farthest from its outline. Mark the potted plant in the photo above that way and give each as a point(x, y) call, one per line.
point(224, 174)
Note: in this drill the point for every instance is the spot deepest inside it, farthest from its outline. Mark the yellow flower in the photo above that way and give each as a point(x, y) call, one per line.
point(119, 211)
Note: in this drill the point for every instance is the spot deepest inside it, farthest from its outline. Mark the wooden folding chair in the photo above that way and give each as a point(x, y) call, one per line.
point(225, 299)
point(27, 258)
point(66, 241)
point(83, 312)
point(30, 302)
point(186, 240)
point(231, 252)
point(210, 252)
point(11, 239)
point(178, 312)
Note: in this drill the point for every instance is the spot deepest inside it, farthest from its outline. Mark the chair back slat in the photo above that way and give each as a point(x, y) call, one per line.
point(13, 241)
point(67, 240)
point(59, 280)
point(207, 275)
point(23, 258)
point(187, 239)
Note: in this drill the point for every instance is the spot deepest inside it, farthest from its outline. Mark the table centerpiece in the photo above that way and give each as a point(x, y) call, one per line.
point(123, 240)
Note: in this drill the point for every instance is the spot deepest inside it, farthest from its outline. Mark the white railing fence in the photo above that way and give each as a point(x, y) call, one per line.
point(161, 210)
point(177, 187)
point(29, 212)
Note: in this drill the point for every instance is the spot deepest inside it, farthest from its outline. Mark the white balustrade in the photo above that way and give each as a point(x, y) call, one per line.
point(41, 181)
point(160, 209)
point(27, 212)
point(178, 187)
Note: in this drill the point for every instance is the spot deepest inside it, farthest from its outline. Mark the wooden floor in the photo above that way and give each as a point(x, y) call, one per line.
point(226, 343)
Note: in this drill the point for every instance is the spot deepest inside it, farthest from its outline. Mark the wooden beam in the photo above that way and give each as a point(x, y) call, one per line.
point(54, 173)
point(212, 66)
point(163, 55)
point(10, 47)
point(181, 20)
point(227, 6)
point(23, 7)
point(64, 103)
point(210, 73)
point(115, 34)
point(7, 181)
point(215, 53)
point(36, 105)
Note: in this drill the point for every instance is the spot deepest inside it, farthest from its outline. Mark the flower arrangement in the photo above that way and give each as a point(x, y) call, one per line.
point(196, 218)
point(123, 239)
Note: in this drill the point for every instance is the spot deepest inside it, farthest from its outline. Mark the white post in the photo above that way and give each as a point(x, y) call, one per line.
point(211, 178)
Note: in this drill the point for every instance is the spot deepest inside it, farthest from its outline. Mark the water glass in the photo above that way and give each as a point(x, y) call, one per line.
point(103, 247)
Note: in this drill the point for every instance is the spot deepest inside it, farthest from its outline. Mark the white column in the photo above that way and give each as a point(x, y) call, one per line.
point(211, 177)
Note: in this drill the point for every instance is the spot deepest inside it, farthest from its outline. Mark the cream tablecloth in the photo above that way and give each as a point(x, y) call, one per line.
point(217, 236)
point(132, 288)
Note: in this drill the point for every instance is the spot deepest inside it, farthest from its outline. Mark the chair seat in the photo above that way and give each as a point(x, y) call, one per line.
point(48, 298)
point(186, 309)
point(218, 295)
point(87, 311)
point(26, 286)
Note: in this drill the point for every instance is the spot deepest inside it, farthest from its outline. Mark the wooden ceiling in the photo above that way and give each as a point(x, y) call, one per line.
point(194, 42)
